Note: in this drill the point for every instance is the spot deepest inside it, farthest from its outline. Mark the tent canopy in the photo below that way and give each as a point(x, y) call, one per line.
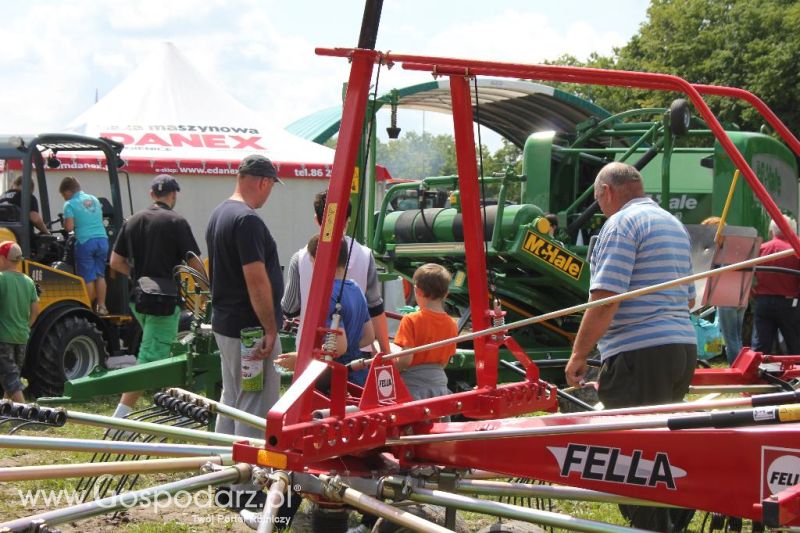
point(512, 108)
point(172, 119)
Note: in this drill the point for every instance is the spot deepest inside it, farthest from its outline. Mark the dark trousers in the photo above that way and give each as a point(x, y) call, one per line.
point(648, 376)
point(773, 314)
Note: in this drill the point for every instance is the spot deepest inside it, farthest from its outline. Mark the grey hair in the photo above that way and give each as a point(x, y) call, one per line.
point(775, 230)
point(619, 175)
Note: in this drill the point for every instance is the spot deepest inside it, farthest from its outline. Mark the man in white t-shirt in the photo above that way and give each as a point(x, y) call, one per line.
point(360, 269)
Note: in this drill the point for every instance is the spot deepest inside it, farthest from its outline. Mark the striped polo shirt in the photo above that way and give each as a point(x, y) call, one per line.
point(639, 246)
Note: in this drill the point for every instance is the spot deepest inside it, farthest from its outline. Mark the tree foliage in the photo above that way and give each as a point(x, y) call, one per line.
point(752, 44)
point(415, 156)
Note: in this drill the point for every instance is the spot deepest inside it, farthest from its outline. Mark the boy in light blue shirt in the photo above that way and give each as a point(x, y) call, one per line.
point(84, 214)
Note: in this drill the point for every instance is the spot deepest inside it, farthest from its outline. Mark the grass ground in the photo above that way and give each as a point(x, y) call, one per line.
point(179, 519)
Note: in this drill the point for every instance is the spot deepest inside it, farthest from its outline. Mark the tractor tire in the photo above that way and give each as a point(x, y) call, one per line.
point(657, 518)
point(587, 394)
point(72, 347)
point(511, 526)
point(680, 117)
point(431, 513)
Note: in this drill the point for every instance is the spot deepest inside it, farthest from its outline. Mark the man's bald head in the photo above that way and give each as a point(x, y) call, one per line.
point(617, 184)
point(622, 176)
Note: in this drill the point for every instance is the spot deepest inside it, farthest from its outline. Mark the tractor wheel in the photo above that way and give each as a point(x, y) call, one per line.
point(587, 394)
point(511, 526)
point(657, 518)
point(431, 513)
point(72, 347)
point(679, 117)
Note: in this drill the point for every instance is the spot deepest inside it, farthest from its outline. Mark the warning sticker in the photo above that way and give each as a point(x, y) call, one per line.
point(330, 218)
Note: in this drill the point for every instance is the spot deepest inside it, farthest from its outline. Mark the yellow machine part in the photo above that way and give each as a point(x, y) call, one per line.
point(7, 235)
point(56, 285)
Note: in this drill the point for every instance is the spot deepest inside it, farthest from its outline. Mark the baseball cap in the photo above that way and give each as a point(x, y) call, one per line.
point(259, 166)
point(164, 183)
point(11, 251)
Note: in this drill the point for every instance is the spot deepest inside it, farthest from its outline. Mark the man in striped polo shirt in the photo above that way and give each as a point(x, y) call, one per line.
point(647, 344)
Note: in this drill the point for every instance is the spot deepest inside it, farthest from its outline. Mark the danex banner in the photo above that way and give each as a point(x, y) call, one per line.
point(200, 150)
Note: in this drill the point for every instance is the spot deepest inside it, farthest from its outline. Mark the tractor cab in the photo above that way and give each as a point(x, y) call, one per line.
point(68, 340)
point(30, 158)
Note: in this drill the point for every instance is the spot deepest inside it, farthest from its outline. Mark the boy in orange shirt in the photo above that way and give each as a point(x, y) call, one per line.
point(423, 372)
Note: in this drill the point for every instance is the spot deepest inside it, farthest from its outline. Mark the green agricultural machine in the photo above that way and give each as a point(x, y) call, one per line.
point(532, 272)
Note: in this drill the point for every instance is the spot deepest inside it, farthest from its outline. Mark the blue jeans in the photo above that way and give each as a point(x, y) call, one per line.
point(774, 313)
point(730, 325)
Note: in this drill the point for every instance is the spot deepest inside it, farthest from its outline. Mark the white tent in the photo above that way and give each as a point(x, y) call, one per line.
point(173, 120)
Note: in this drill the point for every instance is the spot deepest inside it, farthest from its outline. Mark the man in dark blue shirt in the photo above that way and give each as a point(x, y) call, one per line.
point(246, 288)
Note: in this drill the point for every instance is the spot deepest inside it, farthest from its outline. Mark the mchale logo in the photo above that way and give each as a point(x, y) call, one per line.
point(780, 469)
point(600, 463)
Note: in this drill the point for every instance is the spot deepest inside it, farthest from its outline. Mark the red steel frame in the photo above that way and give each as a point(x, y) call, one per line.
point(296, 442)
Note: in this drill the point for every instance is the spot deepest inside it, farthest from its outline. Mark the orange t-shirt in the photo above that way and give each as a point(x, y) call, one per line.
point(424, 327)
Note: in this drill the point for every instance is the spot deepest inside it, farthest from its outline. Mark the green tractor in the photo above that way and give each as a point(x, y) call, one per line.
point(532, 272)
point(68, 339)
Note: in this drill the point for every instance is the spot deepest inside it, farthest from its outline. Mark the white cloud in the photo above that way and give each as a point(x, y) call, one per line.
point(245, 46)
point(157, 14)
point(521, 36)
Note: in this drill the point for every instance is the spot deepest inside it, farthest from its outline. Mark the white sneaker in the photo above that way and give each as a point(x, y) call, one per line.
point(360, 528)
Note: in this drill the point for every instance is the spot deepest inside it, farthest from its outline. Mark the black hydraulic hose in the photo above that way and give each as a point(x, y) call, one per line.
point(556, 363)
point(738, 418)
point(589, 212)
point(778, 270)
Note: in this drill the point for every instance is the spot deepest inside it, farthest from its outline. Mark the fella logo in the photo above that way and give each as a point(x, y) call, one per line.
point(780, 469)
point(385, 381)
point(601, 463)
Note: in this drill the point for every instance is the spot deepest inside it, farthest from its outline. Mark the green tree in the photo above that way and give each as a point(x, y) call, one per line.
point(752, 44)
point(415, 155)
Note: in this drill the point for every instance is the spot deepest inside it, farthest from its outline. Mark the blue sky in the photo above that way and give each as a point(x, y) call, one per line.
point(57, 55)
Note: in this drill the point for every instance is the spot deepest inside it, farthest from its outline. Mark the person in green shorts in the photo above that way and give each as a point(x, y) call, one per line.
point(152, 243)
point(19, 306)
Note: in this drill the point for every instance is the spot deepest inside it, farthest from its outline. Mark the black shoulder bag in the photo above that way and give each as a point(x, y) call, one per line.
point(155, 296)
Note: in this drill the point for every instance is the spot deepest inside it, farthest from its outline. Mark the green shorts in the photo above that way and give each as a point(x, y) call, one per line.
point(158, 334)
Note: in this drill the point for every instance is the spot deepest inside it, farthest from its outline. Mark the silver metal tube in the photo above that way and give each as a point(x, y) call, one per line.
point(656, 419)
point(365, 503)
point(734, 389)
point(64, 471)
point(567, 429)
point(275, 498)
point(582, 307)
point(657, 409)
point(319, 414)
point(555, 492)
point(110, 446)
point(547, 518)
point(220, 408)
point(234, 474)
point(155, 429)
